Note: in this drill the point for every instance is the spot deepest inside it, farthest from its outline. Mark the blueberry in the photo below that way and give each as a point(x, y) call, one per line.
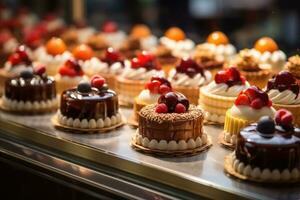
point(26, 74)
point(266, 125)
point(84, 87)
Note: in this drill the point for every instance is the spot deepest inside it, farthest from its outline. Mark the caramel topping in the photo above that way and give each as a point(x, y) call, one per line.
point(246, 62)
point(293, 65)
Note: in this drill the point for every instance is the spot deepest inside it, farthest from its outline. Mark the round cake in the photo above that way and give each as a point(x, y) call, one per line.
point(171, 125)
point(269, 150)
point(89, 106)
point(32, 91)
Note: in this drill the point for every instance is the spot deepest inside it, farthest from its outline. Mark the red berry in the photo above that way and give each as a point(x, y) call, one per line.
point(110, 27)
point(242, 99)
point(66, 71)
point(164, 89)
point(256, 103)
point(252, 92)
point(15, 59)
point(180, 108)
point(221, 77)
point(112, 55)
point(243, 79)
point(161, 108)
point(96, 76)
point(40, 70)
point(287, 119)
point(270, 103)
point(135, 63)
point(234, 74)
point(154, 86)
point(98, 82)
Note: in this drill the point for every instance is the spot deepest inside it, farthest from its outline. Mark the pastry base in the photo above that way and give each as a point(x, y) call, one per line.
point(84, 130)
point(230, 171)
point(192, 93)
point(177, 153)
point(260, 78)
point(294, 109)
point(225, 144)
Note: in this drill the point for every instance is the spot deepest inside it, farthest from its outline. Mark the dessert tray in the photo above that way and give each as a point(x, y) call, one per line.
point(199, 174)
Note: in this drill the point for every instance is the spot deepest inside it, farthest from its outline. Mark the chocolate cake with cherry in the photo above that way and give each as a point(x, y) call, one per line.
point(89, 106)
point(32, 91)
point(171, 125)
point(269, 150)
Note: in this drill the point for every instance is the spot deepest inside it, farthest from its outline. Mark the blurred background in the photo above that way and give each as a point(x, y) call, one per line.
point(243, 21)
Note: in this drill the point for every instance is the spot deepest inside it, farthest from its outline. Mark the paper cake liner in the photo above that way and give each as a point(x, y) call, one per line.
point(233, 125)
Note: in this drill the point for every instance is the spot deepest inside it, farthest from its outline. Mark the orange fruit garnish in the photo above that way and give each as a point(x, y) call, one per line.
point(83, 52)
point(217, 38)
point(175, 33)
point(140, 31)
point(55, 46)
point(265, 44)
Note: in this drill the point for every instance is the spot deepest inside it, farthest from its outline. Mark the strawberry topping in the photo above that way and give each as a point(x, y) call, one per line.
point(253, 97)
point(230, 77)
point(145, 60)
point(71, 68)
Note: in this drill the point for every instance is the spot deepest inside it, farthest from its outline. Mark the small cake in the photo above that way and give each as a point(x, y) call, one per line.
point(143, 33)
point(171, 125)
point(131, 47)
point(134, 76)
point(90, 106)
point(214, 52)
point(54, 55)
point(176, 40)
point(16, 62)
point(250, 67)
point(31, 92)
point(153, 90)
point(69, 75)
point(219, 95)
point(166, 58)
point(188, 77)
point(249, 106)
point(268, 151)
point(293, 66)
point(113, 36)
point(98, 43)
point(283, 90)
point(268, 54)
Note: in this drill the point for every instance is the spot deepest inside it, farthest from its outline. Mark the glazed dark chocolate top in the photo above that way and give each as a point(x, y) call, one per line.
point(280, 150)
point(93, 105)
point(38, 88)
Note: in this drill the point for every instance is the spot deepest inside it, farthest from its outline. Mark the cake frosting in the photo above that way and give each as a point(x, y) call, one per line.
point(147, 97)
point(223, 89)
point(182, 79)
point(115, 39)
point(285, 97)
point(222, 52)
point(251, 114)
point(181, 48)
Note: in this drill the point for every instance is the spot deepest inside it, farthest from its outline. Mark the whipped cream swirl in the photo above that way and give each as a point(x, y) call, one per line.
point(285, 97)
point(147, 97)
point(139, 73)
point(182, 79)
point(251, 114)
point(58, 60)
point(223, 89)
point(115, 39)
point(16, 69)
point(149, 43)
point(93, 65)
point(179, 49)
point(221, 52)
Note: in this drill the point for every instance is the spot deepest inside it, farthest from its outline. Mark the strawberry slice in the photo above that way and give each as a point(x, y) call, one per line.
point(242, 99)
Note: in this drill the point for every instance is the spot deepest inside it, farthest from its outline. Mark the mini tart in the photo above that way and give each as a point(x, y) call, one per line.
point(293, 66)
point(265, 157)
point(31, 95)
point(170, 132)
point(96, 109)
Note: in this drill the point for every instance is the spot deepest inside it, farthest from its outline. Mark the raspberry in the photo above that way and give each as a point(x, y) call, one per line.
point(279, 114)
point(164, 89)
point(161, 108)
point(221, 77)
point(257, 103)
point(154, 86)
point(98, 82)
point(180, 108)
point(65, 71)
point(242, 99)
point(287, 119)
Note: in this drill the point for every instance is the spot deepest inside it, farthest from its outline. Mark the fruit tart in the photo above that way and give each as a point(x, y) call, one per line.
point(249, 106)
point(153, 90)
point(268, 54)
point(267, 151)
point(188, 77)
point(16, 62)
point(219, 95)
point(54, 55)
point(30, 92)
point(89, 107)
point(98, 43)
point(283, 90)
point(170, 126)
point(69, 75)
point(250, 67)
point(113, 36)
point(134, 76)
point(293, 66)
point(217, 48)
point(143, 33)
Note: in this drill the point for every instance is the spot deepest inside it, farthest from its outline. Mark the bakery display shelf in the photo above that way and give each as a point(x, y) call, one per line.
point(201, 174)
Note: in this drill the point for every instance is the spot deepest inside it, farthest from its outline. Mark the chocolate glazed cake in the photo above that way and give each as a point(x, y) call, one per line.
point(89, 106)
point(267, 151)
point(171, 126)
point(31, 92)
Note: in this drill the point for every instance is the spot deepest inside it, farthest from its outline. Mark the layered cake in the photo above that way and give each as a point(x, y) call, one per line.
point(188, 77)
point(283, 90)
point(31, 92)
point(249, 106)
point(150, 95)
point(134, 76)
point(268, 151)
point(293, 66)
point(219, 95)
point(89, 106)
point(69, 75)
point(171, 125)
